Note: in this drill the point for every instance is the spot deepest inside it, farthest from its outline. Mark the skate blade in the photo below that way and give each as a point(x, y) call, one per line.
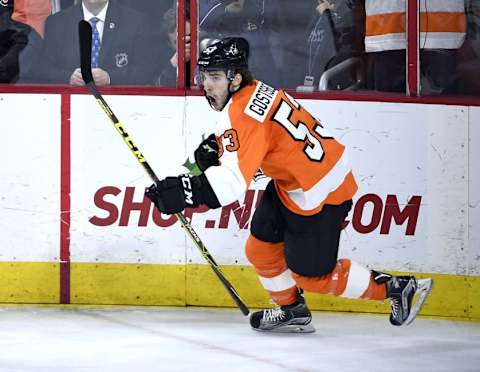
point(295, 328)
point(423, 290)
point(290, 328)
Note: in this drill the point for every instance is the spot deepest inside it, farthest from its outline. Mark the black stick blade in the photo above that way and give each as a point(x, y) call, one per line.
point(85, 38)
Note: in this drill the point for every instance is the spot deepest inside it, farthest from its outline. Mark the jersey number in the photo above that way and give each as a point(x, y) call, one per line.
point(299, 131)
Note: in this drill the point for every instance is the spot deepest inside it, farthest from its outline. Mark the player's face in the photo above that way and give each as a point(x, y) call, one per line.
point(215, 84)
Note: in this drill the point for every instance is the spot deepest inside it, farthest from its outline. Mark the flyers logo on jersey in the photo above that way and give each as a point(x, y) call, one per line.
point(260, 102)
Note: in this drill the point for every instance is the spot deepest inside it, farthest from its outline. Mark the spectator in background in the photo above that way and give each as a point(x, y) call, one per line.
point(334, 34)
point(442, 26)
point(287, 26)
point(125, 40)
point(314, 35)
point(30, 16)
point(168, 56)
point(8, 41)
point(33, 13)
point(468, 58)
point(241, 18)
point(153, 9)
point(12, 42)
point(66, 3)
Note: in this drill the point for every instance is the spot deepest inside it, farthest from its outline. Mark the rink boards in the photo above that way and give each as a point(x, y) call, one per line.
point(76, 228)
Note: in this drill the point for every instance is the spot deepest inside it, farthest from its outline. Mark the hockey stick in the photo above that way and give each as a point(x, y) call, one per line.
point(85, 35)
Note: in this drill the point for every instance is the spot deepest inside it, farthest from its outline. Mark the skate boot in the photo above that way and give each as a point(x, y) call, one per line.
point(401, 291)
point(293, 318)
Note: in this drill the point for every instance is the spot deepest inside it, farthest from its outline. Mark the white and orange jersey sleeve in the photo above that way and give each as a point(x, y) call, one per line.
point(243, 145)
point(265, 128)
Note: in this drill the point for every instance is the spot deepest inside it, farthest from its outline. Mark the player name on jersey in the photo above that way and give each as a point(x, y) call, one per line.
point(260, 102)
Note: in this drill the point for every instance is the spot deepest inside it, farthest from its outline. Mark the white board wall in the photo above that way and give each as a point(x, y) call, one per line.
point(399, 152)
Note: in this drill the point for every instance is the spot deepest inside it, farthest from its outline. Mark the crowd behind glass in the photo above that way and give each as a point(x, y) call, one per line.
point(303, 45)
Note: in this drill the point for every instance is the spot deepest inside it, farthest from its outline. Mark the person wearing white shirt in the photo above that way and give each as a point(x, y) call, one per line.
point(123, 55)
point(91, 9)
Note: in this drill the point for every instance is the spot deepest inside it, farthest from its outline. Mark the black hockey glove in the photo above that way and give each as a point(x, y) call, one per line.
point(173, 194)
point(206, 155)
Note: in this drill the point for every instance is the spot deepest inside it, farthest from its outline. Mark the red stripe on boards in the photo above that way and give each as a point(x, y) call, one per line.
point(181, 44)
point(193, 40)
point(65, 200)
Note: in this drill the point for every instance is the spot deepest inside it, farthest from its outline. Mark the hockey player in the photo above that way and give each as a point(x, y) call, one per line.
point(295, 230)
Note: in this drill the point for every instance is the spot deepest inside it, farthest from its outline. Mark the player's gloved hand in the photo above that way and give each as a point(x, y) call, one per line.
point(172, 194)
point(206, 155)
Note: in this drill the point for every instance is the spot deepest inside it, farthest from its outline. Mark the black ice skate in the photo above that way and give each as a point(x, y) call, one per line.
point(401, 291)
point(294, 318)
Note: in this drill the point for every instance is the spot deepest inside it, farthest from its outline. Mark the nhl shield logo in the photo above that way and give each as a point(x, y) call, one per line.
point(4, 3)
point(121, 59)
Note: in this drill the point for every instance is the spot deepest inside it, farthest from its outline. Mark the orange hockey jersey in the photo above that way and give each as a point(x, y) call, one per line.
point(264, 128)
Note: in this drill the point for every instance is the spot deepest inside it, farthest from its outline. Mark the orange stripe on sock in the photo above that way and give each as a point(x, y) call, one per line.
point(375, 291)
point(285, 297)
point(333, 283)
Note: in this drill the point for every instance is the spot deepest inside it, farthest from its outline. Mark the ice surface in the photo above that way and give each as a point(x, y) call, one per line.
point(192, 339)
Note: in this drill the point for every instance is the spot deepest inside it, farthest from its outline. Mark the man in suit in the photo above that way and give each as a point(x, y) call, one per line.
point(124, 40)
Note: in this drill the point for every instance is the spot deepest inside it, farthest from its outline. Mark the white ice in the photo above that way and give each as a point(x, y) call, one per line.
point(191, 339)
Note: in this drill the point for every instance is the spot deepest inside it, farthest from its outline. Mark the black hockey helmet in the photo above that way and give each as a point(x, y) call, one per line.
point(228, 53)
